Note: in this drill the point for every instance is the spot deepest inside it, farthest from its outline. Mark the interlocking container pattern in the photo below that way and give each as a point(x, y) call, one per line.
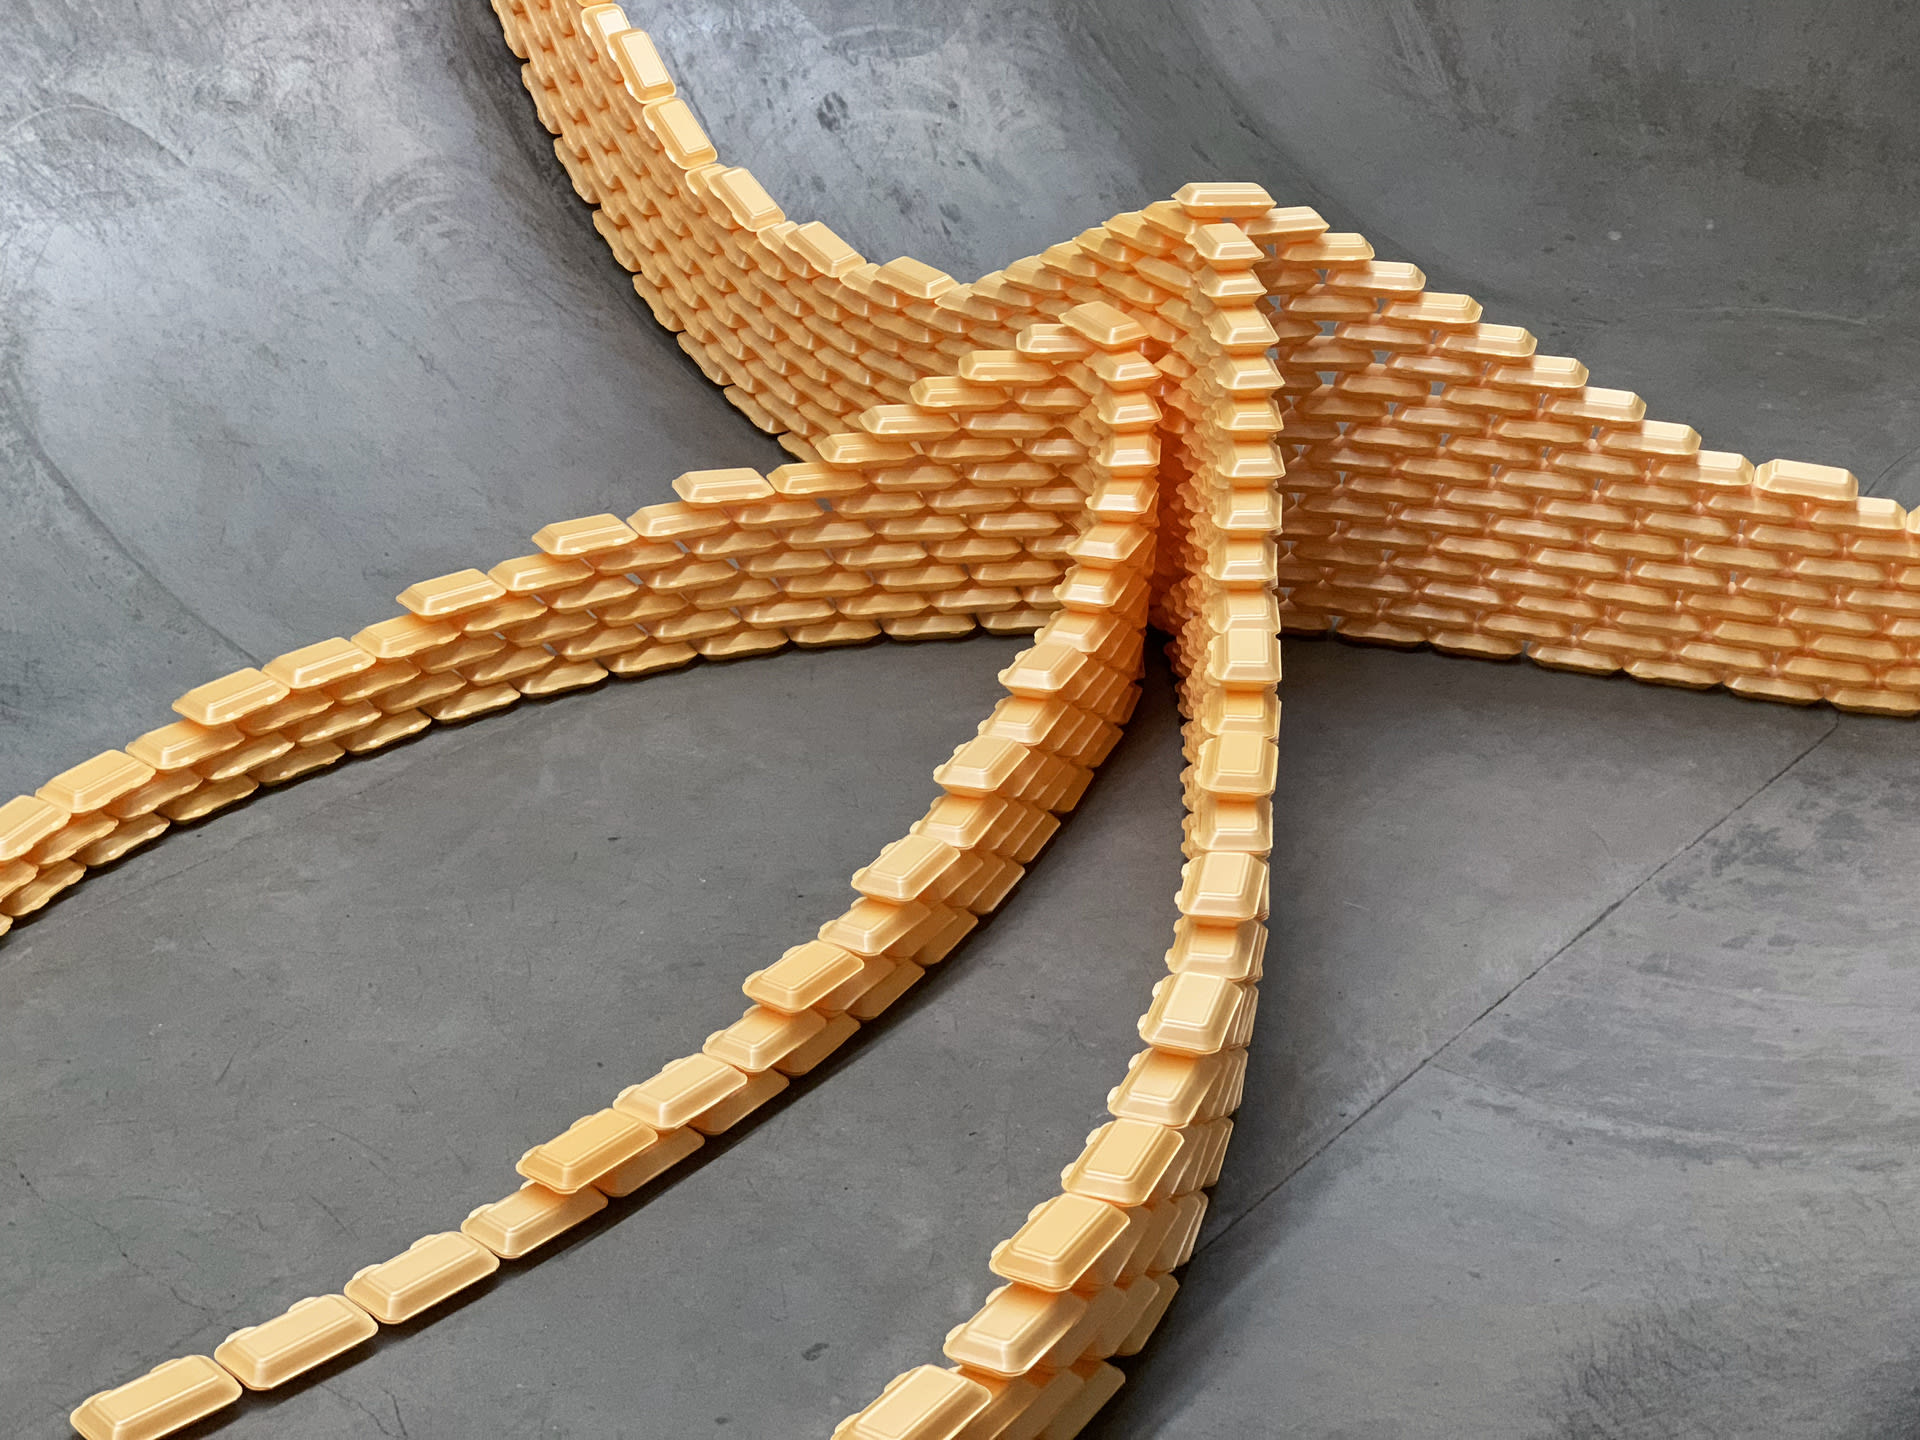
point(1210, 416)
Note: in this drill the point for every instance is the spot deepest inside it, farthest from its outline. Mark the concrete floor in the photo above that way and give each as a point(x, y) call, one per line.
point(1584, 1099)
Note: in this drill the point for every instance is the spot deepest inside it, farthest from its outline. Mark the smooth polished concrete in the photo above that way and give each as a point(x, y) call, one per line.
point(1583, 1098)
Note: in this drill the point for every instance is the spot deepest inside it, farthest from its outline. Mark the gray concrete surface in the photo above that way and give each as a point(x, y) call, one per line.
point(1583, 1099)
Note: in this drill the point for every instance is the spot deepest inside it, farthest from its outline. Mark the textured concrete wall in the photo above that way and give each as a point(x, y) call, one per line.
point(281, 287)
